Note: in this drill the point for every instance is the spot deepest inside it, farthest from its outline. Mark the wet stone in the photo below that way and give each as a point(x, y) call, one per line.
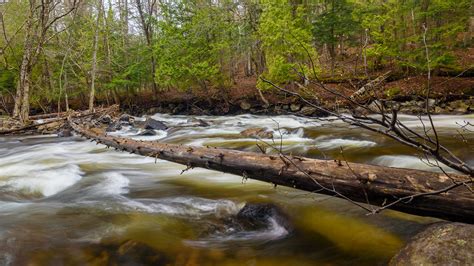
point(148, 132)
point(259, 215)
point(126, 119)
point(198, 122)
point(106, 119)
point(257, 132)
point(439, 244)
point(113, 127)
point(151, 123)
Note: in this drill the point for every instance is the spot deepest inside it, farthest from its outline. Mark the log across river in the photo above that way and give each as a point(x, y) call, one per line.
point(367, 184)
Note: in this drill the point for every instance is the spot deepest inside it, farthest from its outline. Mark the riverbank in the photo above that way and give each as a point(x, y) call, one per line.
point(448, 95)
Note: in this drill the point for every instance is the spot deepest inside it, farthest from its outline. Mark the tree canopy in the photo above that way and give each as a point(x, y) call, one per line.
point(145, 45)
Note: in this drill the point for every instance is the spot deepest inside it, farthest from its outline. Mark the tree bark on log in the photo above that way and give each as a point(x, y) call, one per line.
point(376, 185)
point(59, 117)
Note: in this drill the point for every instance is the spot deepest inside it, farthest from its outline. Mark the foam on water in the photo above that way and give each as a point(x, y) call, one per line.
point(327, 144)
point(273, 231)
point(186, 206)
point(113, 183)
point(405, 161)
point(134, 133)
point(45, 182)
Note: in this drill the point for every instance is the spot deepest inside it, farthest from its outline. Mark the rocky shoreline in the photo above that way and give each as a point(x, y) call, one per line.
point(297, 107)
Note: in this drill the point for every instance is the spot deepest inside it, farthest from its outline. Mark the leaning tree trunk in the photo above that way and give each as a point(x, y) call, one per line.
point(375, 185)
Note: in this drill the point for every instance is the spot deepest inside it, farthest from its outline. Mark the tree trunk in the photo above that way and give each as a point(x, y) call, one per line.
point(94, 58)
point(376, 185)
point(24, 78)
point(148, 31)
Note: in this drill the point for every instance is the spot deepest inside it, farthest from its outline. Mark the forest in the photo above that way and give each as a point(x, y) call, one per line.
point(77, 52)
point(236, 132)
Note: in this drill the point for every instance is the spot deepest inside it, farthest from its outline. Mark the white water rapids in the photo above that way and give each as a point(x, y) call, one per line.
point(58, 192)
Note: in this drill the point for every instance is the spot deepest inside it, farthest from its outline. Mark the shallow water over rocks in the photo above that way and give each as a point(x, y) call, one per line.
point(69, 201)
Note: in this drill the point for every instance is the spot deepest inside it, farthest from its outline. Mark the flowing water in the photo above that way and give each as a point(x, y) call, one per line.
point(66, 201)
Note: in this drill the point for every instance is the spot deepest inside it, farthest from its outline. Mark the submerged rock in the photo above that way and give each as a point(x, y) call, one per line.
point(151, 123)
point(265, 221)
point(135, 253)
point(259, 214)
point(147, 132)
point(439, 244)
point(257, 132)
point(198, 122)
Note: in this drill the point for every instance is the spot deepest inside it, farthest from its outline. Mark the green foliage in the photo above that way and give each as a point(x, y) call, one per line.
point(195, 44)
point(288, 48)
point(335, 22)
point(7, 81)
point(396, 31)
point(204, 43)
point(392, 92)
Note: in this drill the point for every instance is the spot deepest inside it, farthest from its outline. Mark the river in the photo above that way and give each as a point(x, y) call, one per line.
point(67, 201)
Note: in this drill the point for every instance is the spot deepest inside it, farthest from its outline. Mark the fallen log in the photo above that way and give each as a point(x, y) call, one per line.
point(64, 118)
point(366, 92)
point(374, 185)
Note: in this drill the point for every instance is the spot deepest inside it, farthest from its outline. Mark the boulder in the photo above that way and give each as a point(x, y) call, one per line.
point(294, 107)
point(439, 244)
point(198, 122)
point(151, 123)
point(147, 132)
point(113, 127)
point(257, 132)
point(459, 106)
point(106, 119)
point(126, 119)
point(431, 103)
point(244, 105)
point(259, 215)
point(308, 110)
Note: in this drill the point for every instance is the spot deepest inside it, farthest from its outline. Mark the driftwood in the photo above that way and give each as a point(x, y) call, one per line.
point(63, 117)
point(366, 92)
point(31, 126)
point(358, 183)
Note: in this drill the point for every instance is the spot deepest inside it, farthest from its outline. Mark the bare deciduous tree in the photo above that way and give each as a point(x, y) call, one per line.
point(42, 15)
